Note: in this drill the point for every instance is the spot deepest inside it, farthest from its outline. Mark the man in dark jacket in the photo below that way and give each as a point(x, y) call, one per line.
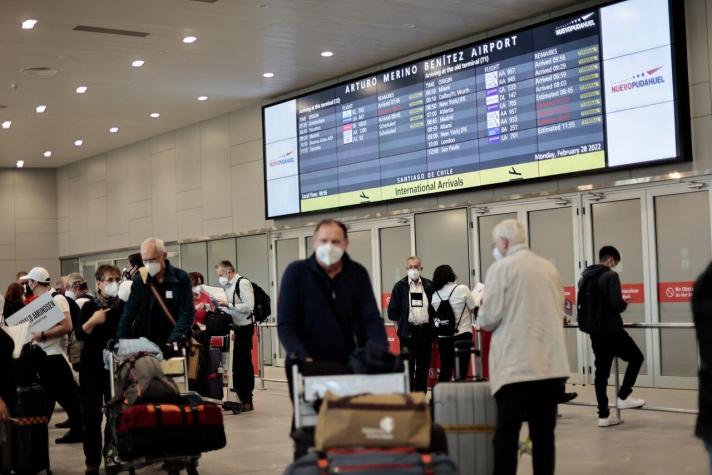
point(326, 304)
point(610, 340)
point(702, 314)
point(410, 307)
point(143, 315)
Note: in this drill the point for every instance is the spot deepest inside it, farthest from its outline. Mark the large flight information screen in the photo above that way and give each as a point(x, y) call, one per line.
point(591, 91)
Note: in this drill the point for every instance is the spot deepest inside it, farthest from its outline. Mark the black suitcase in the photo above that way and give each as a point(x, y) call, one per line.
point(30, 435)
point(215, 374)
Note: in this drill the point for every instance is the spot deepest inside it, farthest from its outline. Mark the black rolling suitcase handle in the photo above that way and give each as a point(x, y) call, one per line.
point(474, 350)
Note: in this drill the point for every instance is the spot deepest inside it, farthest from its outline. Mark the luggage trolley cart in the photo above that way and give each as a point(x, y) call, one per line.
point(308, 390)
point(177, 369)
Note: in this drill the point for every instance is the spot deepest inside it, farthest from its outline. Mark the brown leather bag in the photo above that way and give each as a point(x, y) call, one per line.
point(373, 420)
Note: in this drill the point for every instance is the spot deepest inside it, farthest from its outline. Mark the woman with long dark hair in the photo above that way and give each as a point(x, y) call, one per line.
point(14, 299)
point(446, 288)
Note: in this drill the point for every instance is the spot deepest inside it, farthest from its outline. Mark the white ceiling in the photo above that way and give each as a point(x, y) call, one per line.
point(238, 40)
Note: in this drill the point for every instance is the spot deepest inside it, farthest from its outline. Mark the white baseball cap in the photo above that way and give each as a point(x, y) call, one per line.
point(38, 274)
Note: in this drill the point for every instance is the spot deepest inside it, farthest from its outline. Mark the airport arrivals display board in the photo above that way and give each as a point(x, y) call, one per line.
point(599, 89)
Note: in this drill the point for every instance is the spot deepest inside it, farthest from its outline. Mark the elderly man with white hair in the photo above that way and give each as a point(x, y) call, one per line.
point(160, 295)
point(523, 306)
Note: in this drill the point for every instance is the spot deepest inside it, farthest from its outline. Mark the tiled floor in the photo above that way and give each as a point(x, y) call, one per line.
point(647, 443)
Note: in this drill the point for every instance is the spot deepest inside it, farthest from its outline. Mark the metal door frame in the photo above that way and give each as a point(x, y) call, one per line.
point(589, 253)
point(522, 209)
point(677, 382)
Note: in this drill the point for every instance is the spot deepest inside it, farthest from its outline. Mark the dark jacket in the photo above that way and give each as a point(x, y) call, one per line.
point(7, 380)
point(142, 316)
point(399, 306)
point(609, 291)
point(92, 355)
point(702, 314)
point(11, 307)
point(320, 317)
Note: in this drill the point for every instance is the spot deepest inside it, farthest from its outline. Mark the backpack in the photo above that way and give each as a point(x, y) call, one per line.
point(263, 303)
point(218, 323)
point(140, 379)
point(444, 323)
point(589, 305)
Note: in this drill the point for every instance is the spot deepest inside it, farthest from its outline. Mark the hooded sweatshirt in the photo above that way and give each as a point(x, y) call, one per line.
point(609, 291)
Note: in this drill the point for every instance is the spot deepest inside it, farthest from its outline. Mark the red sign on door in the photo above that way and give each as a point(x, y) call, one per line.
point(385, 300)
point(393, 341)
point(675, 292)
point(570, 293)
point(636, 292)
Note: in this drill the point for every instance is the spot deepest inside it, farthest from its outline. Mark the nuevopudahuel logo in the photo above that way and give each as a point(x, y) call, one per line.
point(580, 23)
point(647, 78)
point(283, 159)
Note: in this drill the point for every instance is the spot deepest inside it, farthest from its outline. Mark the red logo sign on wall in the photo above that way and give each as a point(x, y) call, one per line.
point(385, 300)
point(636, 292)
point(675, 292)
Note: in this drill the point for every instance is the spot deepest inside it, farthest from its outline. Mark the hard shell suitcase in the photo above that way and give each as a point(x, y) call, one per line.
point(215, 374)
point(468, 413)
point(399, 461)
point(30, 435)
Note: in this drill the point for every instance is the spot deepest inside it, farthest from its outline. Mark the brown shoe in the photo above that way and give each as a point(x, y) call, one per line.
point(247, 407)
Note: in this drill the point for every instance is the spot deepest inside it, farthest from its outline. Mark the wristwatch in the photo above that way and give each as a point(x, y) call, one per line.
point(43, 337)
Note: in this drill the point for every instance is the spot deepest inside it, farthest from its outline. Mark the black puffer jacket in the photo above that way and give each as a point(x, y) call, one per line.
point(702, 313)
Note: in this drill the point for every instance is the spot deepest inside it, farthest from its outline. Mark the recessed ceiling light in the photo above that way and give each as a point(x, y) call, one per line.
point(29, 24)
point(138, 63)
point(113, 130)
point(190, 39)
point(78, 143)
point(82, 89)
point(6, 124)
point(202, 98)
point(48, 153)
point(40, 108)
point(327, 54)
point(20, 163)
point(268, 75)
point(155, 115)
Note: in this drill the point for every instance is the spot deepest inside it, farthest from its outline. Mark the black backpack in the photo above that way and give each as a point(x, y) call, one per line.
point(218, 323)
point(263, 303)
point(445, 324)
point(589, 305)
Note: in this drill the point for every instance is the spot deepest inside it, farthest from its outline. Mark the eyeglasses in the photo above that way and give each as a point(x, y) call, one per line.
point(111, 280)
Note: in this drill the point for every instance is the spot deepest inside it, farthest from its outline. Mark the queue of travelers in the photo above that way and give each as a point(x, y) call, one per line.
point(327, 309)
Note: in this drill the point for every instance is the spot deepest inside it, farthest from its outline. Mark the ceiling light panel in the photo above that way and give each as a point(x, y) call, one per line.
point(47, 154)
point(137, 63)
point(82, 89)
point(40, 109)
point(190, 39)
point(29, 24)
point(6, 124)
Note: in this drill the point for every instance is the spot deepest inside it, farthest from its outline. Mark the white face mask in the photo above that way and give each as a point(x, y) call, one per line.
point(70, 294)
point(329, 254)
point(125, 290)
point(196, 289)
point(497, 254)
point(413, 274)
point(111, 289)
point(153, 268)
point(223, 281)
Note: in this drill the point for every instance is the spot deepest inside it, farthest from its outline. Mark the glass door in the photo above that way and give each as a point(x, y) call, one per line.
point(680, 250)
point(619, 219)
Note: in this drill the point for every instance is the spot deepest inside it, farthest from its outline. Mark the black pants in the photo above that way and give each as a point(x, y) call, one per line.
point(419, 346)
point(605, 348)
point(447, 356)
point(535, 402)
point(94, 391)
point(58, 382)
point(243, 374)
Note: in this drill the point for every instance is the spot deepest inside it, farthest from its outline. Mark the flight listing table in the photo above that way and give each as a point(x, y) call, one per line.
point(517, 107)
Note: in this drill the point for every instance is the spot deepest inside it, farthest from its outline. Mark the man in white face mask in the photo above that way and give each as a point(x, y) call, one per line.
point(326, 305)
point(523, 305)
point(410, 307)
point(143, 314)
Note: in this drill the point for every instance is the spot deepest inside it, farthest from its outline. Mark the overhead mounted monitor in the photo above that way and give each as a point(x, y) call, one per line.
point(601, 89)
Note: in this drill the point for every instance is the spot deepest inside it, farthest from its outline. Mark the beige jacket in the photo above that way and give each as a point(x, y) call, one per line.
point(523, 306)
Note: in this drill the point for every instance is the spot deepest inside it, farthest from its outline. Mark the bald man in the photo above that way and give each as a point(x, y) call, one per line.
point(143, 315)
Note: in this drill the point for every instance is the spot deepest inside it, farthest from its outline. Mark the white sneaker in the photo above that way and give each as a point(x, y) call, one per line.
point(630, 403)
point(608, 421)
